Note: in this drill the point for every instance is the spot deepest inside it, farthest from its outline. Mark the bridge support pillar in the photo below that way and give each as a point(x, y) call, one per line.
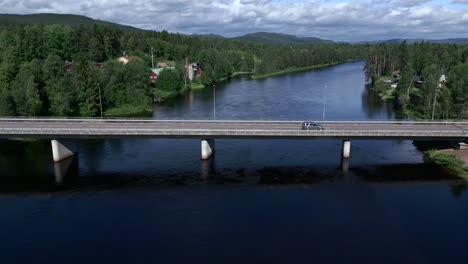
point(207, 148)
point(60, 151)
point(346, 149)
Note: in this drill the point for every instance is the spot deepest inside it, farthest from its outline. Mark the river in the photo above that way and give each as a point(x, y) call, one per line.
point(135, 200)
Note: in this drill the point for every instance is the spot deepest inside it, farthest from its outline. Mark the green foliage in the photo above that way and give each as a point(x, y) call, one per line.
point(169, 82)
point(448, 161)
point(88, 91)
point(33, 100)
point(36, 48)
point(128, 110)
point(421, 65)
point(62, 96)
point(6, 102)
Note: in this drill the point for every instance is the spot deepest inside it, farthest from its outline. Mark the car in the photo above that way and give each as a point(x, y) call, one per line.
point(311, 126)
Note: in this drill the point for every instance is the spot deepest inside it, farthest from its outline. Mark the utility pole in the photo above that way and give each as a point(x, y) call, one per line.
point(100, 99)
point(152, 58)
point(434, 104)
point(324, 101)
point(214, 102)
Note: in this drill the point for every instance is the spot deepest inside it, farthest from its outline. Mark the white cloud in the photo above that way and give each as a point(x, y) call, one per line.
point(352, 20)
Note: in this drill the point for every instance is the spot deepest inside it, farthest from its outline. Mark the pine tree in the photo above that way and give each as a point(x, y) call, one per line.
point(33, 99)
point(85, 74)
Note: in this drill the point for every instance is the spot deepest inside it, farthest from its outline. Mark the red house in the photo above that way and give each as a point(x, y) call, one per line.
point(154, 73)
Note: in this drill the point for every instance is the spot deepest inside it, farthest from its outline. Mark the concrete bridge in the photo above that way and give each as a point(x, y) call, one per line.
point(58, 129)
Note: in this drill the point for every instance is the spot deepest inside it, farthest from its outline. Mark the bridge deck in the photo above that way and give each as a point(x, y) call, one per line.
point(102, 128)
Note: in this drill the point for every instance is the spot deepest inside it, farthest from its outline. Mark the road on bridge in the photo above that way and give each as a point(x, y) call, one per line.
point(98, 128)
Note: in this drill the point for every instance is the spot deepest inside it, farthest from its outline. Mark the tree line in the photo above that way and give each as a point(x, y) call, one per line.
point(419, 68)
point(34, 79)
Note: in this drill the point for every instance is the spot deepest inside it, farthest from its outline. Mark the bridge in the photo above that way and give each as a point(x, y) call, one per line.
point(59, 129)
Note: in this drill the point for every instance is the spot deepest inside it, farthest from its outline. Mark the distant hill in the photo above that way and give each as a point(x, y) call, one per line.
point(411, 41)
point(60, 19)
point(281, 39)
point(208, 36)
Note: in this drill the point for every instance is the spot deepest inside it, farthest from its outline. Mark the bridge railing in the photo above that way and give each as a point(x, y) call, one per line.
point(151, 120)
point(231, 132)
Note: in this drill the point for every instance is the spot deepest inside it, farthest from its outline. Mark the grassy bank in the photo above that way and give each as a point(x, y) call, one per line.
point(293, 69)
point(450, 162)
point(129, 111)
point(196, 86)
point(234, 75)
point(384, 89)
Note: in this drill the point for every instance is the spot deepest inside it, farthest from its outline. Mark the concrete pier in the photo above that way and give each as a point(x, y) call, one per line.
point(60, 151)
point(346, 149)
point(207, 148)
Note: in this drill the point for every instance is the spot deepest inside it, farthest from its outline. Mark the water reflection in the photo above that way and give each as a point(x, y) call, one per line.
point(66, 171)
point(208, 169)
point(374, 107)
point(66, 177)
point(458, 189)
point(345, 165)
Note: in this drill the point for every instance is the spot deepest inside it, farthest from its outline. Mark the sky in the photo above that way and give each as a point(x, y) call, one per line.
point(355, 20)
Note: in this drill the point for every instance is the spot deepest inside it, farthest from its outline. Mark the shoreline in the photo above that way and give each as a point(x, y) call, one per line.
point(294, 70)
point(453, 160)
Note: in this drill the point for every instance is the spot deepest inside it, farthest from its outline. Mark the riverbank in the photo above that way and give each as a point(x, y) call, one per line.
point(129, 111)
point(234, 75)
point(384, 89)
point(454, 161)
point(293, 70)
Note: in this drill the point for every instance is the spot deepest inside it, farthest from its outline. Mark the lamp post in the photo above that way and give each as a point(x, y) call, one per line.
point(152, 58)
point(214, 102)
point(100, 99)
point(434, 104)
point(324, 101)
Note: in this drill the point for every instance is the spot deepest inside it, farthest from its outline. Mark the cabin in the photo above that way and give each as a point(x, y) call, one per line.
point(126, 59)
point(162, 65)
point(155, 72)
point(194, 70)
point(442, 81)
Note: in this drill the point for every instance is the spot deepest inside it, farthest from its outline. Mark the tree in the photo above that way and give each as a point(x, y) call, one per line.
point(33, 99)
point(62, 96)
point(6, 102)
point(19, 87)
point(430, 88)
point(85, 75)
point(405, 84)
point(169, 81)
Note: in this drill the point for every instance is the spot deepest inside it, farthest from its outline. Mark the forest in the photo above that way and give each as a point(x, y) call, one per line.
point(431, 79)
point(35, 79)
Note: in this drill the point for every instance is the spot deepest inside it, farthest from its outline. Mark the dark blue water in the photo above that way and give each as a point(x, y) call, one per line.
point(271, 201)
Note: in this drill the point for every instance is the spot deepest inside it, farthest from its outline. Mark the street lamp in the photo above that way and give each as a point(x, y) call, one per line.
point(434, 104)
point(324, 101)
point(100, 99)
point(214, 102)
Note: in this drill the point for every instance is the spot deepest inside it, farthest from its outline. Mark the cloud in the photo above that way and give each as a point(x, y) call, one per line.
point(353, 20)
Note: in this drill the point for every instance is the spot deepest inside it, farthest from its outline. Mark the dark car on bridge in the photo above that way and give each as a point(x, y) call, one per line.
point(311, 126)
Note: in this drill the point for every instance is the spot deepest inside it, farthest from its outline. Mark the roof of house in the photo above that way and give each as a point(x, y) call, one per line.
point(162, 64)
point(158, 70)
point(129, 58)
